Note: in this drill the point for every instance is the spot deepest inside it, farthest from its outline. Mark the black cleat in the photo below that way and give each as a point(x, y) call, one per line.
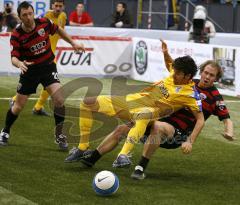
point(40, 112)
point(61, 140)
point(3, 138)
point(138, 173)
point(86, 159)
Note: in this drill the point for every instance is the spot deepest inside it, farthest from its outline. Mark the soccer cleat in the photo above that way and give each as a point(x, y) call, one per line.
point(138, 173)
point(86, 158)
point(4, 138)
point(41, 112)
point(11, 102)
point(61, 140)
point(75, 155)
point(122, 161)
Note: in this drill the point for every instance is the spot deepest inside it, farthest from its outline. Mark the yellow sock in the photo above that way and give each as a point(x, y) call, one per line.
point(85, 125)
point(41, 100)
point(14, 97)
point(134, 135)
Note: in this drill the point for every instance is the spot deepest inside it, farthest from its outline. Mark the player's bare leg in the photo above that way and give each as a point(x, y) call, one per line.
point(107, 145)
point(158, 131)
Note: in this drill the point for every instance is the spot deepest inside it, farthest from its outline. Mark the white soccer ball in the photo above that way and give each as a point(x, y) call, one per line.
point(105, 183)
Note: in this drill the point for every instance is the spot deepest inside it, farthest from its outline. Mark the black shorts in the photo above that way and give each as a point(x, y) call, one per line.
point(176, 141)
point(29, 81)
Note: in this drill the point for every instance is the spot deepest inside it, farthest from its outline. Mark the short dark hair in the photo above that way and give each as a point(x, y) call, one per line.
point(124, 5)
point(59, 1)
point(23, 5)
point(214, 64)
point(186, 65)
point(80, 2)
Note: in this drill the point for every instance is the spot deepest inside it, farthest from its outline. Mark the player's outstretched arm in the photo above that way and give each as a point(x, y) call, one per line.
point(187, 146)
point(22, 65)
point(228, 129)
point(77, 47)
point(167, 58)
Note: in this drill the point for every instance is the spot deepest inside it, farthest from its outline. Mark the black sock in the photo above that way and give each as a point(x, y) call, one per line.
point(59, 116)
point(143, 162)
point(94, 157)
point(10, 119)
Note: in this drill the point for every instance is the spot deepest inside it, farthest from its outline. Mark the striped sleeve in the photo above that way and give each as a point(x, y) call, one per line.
point(221, 110)
point(15, 46)
point(52, 27)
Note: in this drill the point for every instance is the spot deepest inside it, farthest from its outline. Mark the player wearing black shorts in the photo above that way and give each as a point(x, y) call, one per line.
point(174, 130)
point(32, 54)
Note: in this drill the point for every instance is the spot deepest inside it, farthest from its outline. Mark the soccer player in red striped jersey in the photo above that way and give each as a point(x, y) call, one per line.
point(32, 54)
point(173, 131)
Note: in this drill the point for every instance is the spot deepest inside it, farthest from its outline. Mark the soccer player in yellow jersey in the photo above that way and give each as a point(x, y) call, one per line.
point(58, 17)
point(161, 99)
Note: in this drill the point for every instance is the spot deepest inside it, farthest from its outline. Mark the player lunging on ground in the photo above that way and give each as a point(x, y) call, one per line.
point(173, 93)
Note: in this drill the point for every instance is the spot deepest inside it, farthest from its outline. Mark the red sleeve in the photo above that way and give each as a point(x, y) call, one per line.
point(52, 27)
point(88, 18)
point(15, 46)
point(71, 17)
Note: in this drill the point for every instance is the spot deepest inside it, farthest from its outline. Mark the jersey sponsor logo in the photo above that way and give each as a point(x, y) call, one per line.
point(38, 48)
point(141, 57)
point(221, 105)
point(41, 32)
point(163, 89)
point(202, 96)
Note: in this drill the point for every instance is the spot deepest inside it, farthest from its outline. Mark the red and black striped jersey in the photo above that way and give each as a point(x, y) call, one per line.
point(212, 104)
point(34, 46)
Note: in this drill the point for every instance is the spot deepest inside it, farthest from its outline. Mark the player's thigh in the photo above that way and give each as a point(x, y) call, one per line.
point(163, 129)
point(56, 93)
point(113, 106)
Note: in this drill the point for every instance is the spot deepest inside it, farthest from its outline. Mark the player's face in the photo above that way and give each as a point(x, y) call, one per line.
point(57, 7)
point(179, 78)
point(119, 8)
point(80, 8)
point(27, 16)
point(208, 76)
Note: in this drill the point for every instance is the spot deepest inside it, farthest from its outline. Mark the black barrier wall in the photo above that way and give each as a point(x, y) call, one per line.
point(101, 11)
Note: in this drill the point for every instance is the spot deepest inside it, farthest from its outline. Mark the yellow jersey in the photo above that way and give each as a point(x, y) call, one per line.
point(166, 93)
point(59, 20)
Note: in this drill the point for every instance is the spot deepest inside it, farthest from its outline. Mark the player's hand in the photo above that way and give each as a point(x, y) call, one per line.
point(23, 66)
point(228, 136)
point(164, 46)
point(186, 147)
point(119, 24)
point(78, 47)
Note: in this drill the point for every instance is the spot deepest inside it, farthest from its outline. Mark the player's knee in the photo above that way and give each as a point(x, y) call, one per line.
point(157, 129)
point(17, 108)
point(121, 131)
point(90, 101)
